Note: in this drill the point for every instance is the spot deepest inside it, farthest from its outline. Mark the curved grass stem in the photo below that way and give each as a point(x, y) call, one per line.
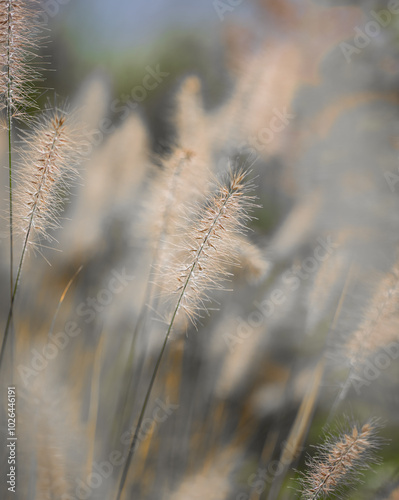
point(134, 441)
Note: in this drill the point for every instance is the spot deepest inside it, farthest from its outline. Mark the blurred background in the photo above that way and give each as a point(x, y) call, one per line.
point(209, 39)
point(306, 93)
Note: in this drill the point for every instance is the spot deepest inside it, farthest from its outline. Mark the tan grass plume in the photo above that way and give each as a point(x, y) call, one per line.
point(200, 266)
point(209, 247)
point(340, 461)
point(47, 169)
point(19, 42)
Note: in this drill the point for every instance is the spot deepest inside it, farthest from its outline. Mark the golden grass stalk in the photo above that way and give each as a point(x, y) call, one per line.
point(201, 264)
point(339, 462)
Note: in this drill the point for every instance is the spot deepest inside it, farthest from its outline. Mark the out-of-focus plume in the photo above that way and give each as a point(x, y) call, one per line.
point(380, 324)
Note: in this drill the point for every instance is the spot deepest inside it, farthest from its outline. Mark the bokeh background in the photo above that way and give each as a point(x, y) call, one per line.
point(286, 87)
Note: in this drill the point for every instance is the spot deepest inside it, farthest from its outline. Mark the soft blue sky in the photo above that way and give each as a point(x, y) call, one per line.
point(127, 22)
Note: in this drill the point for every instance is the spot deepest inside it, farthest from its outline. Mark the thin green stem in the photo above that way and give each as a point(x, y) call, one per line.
point(9, 120)
point(133, 443)
point(9, 106)
point(9, 126)
point(14, 293)
point(25, 246)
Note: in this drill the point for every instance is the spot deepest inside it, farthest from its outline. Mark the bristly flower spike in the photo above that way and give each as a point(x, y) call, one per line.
point(207, 252)
point(209, 246)
point(49, 160)
point(20, 38)
point(339, 462)
point(53, 148)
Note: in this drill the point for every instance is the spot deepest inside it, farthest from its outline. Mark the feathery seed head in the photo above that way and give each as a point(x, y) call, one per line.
point(48, 167)
point(208, 248)
point(340, 461)
point(19, 40)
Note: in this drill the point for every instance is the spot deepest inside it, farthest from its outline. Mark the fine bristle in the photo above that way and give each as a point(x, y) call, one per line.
point(340, 461)
point(48, 167)
point(20, 38)
point(208, 250)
